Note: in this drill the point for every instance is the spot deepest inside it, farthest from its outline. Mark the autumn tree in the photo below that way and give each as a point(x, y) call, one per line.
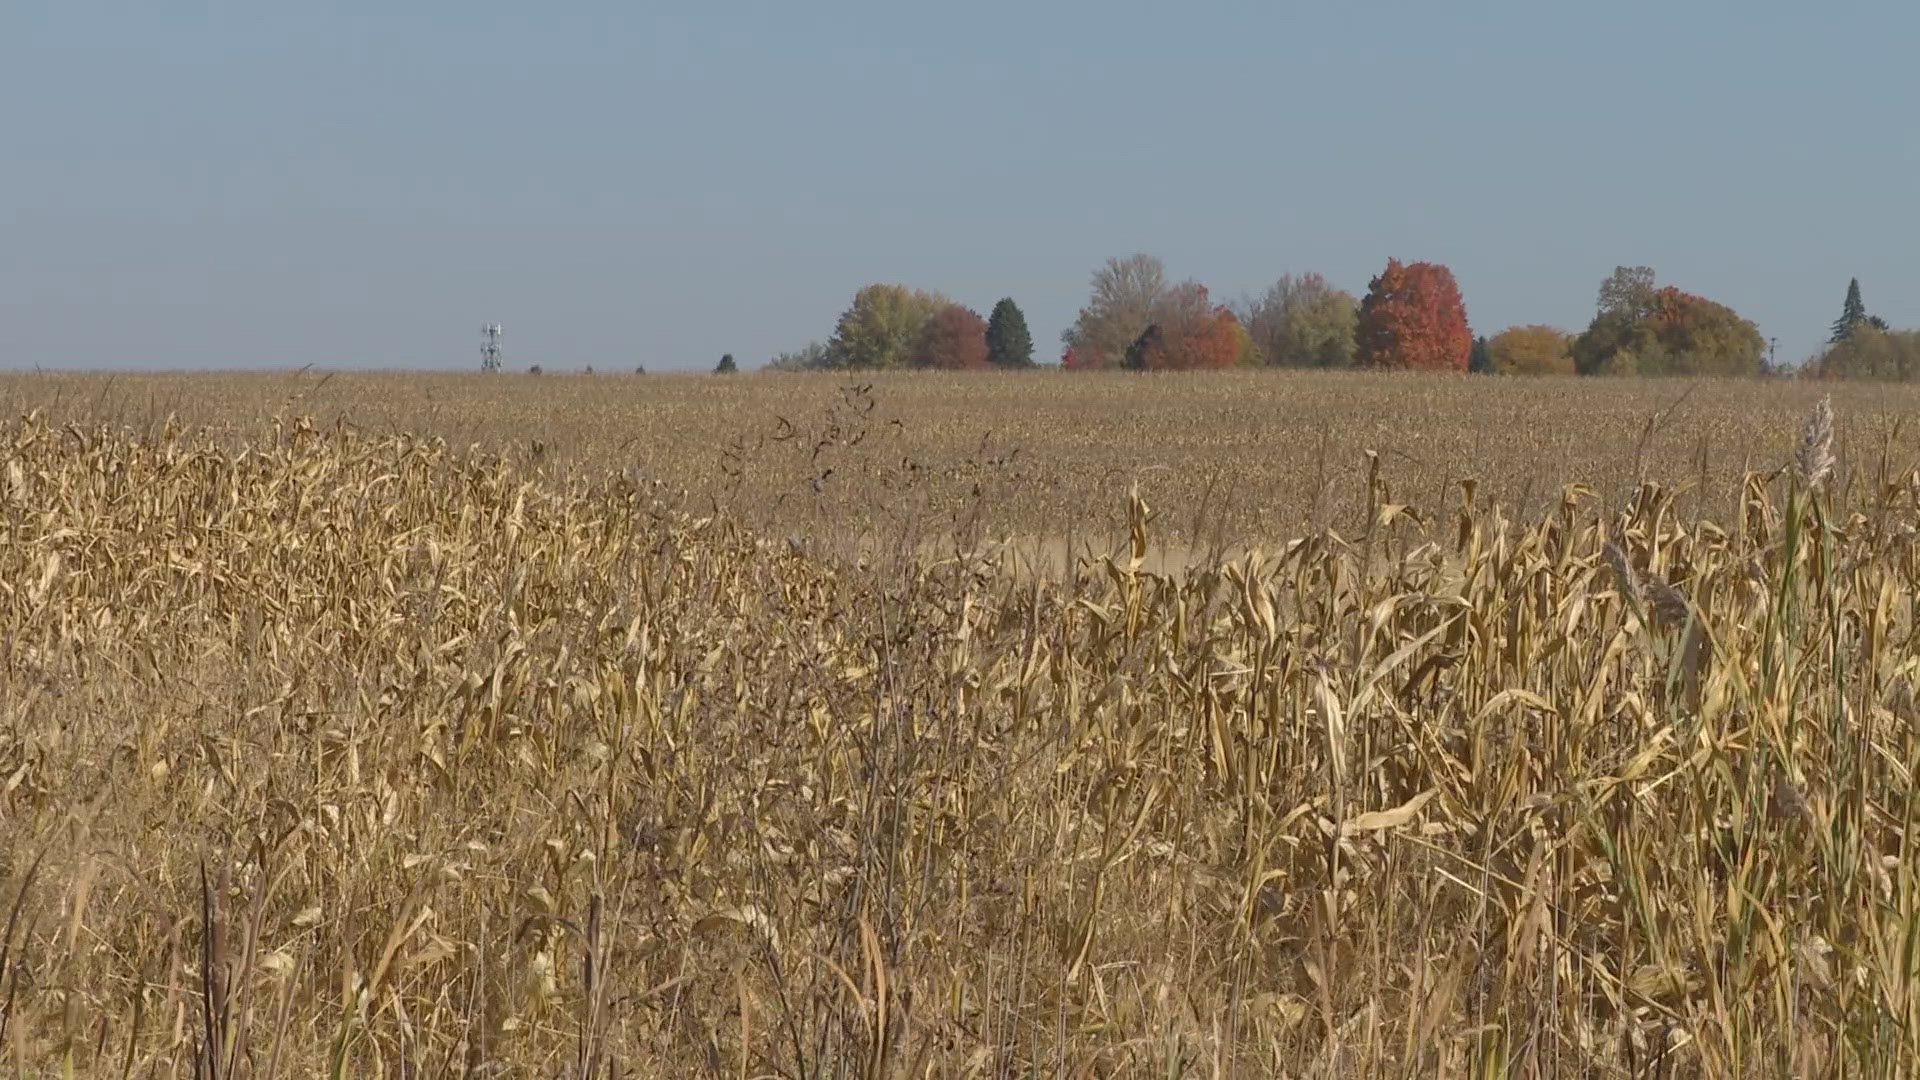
point(1413, 318)
point(1246, 352)
point(880, 328)
point(1531, 350)
point(1211, 342)
point(1196, 335)
point(726, 366)
point(1127, 296)
point(1186, 302)
point(1626, 302)
point(1870, 352)
point(1640, 328)
point(1702, 337)
point(954, 338)
point(1130, 297)
point(1628, 292)
point(1302, 322)
point(1009, 344)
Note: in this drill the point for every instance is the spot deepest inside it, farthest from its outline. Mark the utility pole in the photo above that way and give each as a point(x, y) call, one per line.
point(490, 350)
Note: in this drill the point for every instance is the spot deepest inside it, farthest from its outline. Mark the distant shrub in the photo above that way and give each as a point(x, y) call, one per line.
point(1868, 352)
point(813, 356)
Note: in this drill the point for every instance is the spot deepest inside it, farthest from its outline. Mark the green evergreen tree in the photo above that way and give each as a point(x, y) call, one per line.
point(1009, 344)
point(1480, 360)
point(726, 366)
point(1852, 314)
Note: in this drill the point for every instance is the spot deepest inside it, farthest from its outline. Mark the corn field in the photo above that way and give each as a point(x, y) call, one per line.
point(1262, 455)
point(337, 754)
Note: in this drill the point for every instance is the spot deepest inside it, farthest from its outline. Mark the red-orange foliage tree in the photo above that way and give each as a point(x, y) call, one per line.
point(1210, 341)
point(954, 338)
point(1413, 318)
point(1188, 333)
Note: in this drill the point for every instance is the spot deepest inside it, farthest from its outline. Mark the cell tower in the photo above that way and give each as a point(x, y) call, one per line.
point(490, 351)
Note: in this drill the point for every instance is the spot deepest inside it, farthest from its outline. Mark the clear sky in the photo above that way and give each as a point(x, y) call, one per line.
point(348, 184)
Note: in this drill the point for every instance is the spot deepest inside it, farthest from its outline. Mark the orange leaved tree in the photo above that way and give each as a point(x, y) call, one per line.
point(1207, 339)
point(1413, 318)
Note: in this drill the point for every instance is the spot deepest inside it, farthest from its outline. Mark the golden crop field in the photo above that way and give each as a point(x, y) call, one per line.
point(1044, 456)
point(443, 726)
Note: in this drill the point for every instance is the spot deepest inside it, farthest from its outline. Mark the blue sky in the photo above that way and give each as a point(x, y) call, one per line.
point(265, 184)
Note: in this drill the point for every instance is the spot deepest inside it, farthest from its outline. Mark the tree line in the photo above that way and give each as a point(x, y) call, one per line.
point(893, 326)
point(1412, 317)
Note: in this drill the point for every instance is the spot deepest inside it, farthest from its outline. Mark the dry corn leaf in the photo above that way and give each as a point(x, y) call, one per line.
point(1376, 820)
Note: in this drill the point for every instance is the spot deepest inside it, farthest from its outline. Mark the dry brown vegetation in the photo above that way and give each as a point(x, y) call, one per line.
point(332, 751)
point(1235, 455)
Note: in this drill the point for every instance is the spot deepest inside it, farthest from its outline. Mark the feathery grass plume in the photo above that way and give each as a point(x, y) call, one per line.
point(1814, 459)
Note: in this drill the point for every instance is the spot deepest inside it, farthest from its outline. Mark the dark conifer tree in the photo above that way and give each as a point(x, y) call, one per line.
point(1852, 314)
point(1008, 342)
